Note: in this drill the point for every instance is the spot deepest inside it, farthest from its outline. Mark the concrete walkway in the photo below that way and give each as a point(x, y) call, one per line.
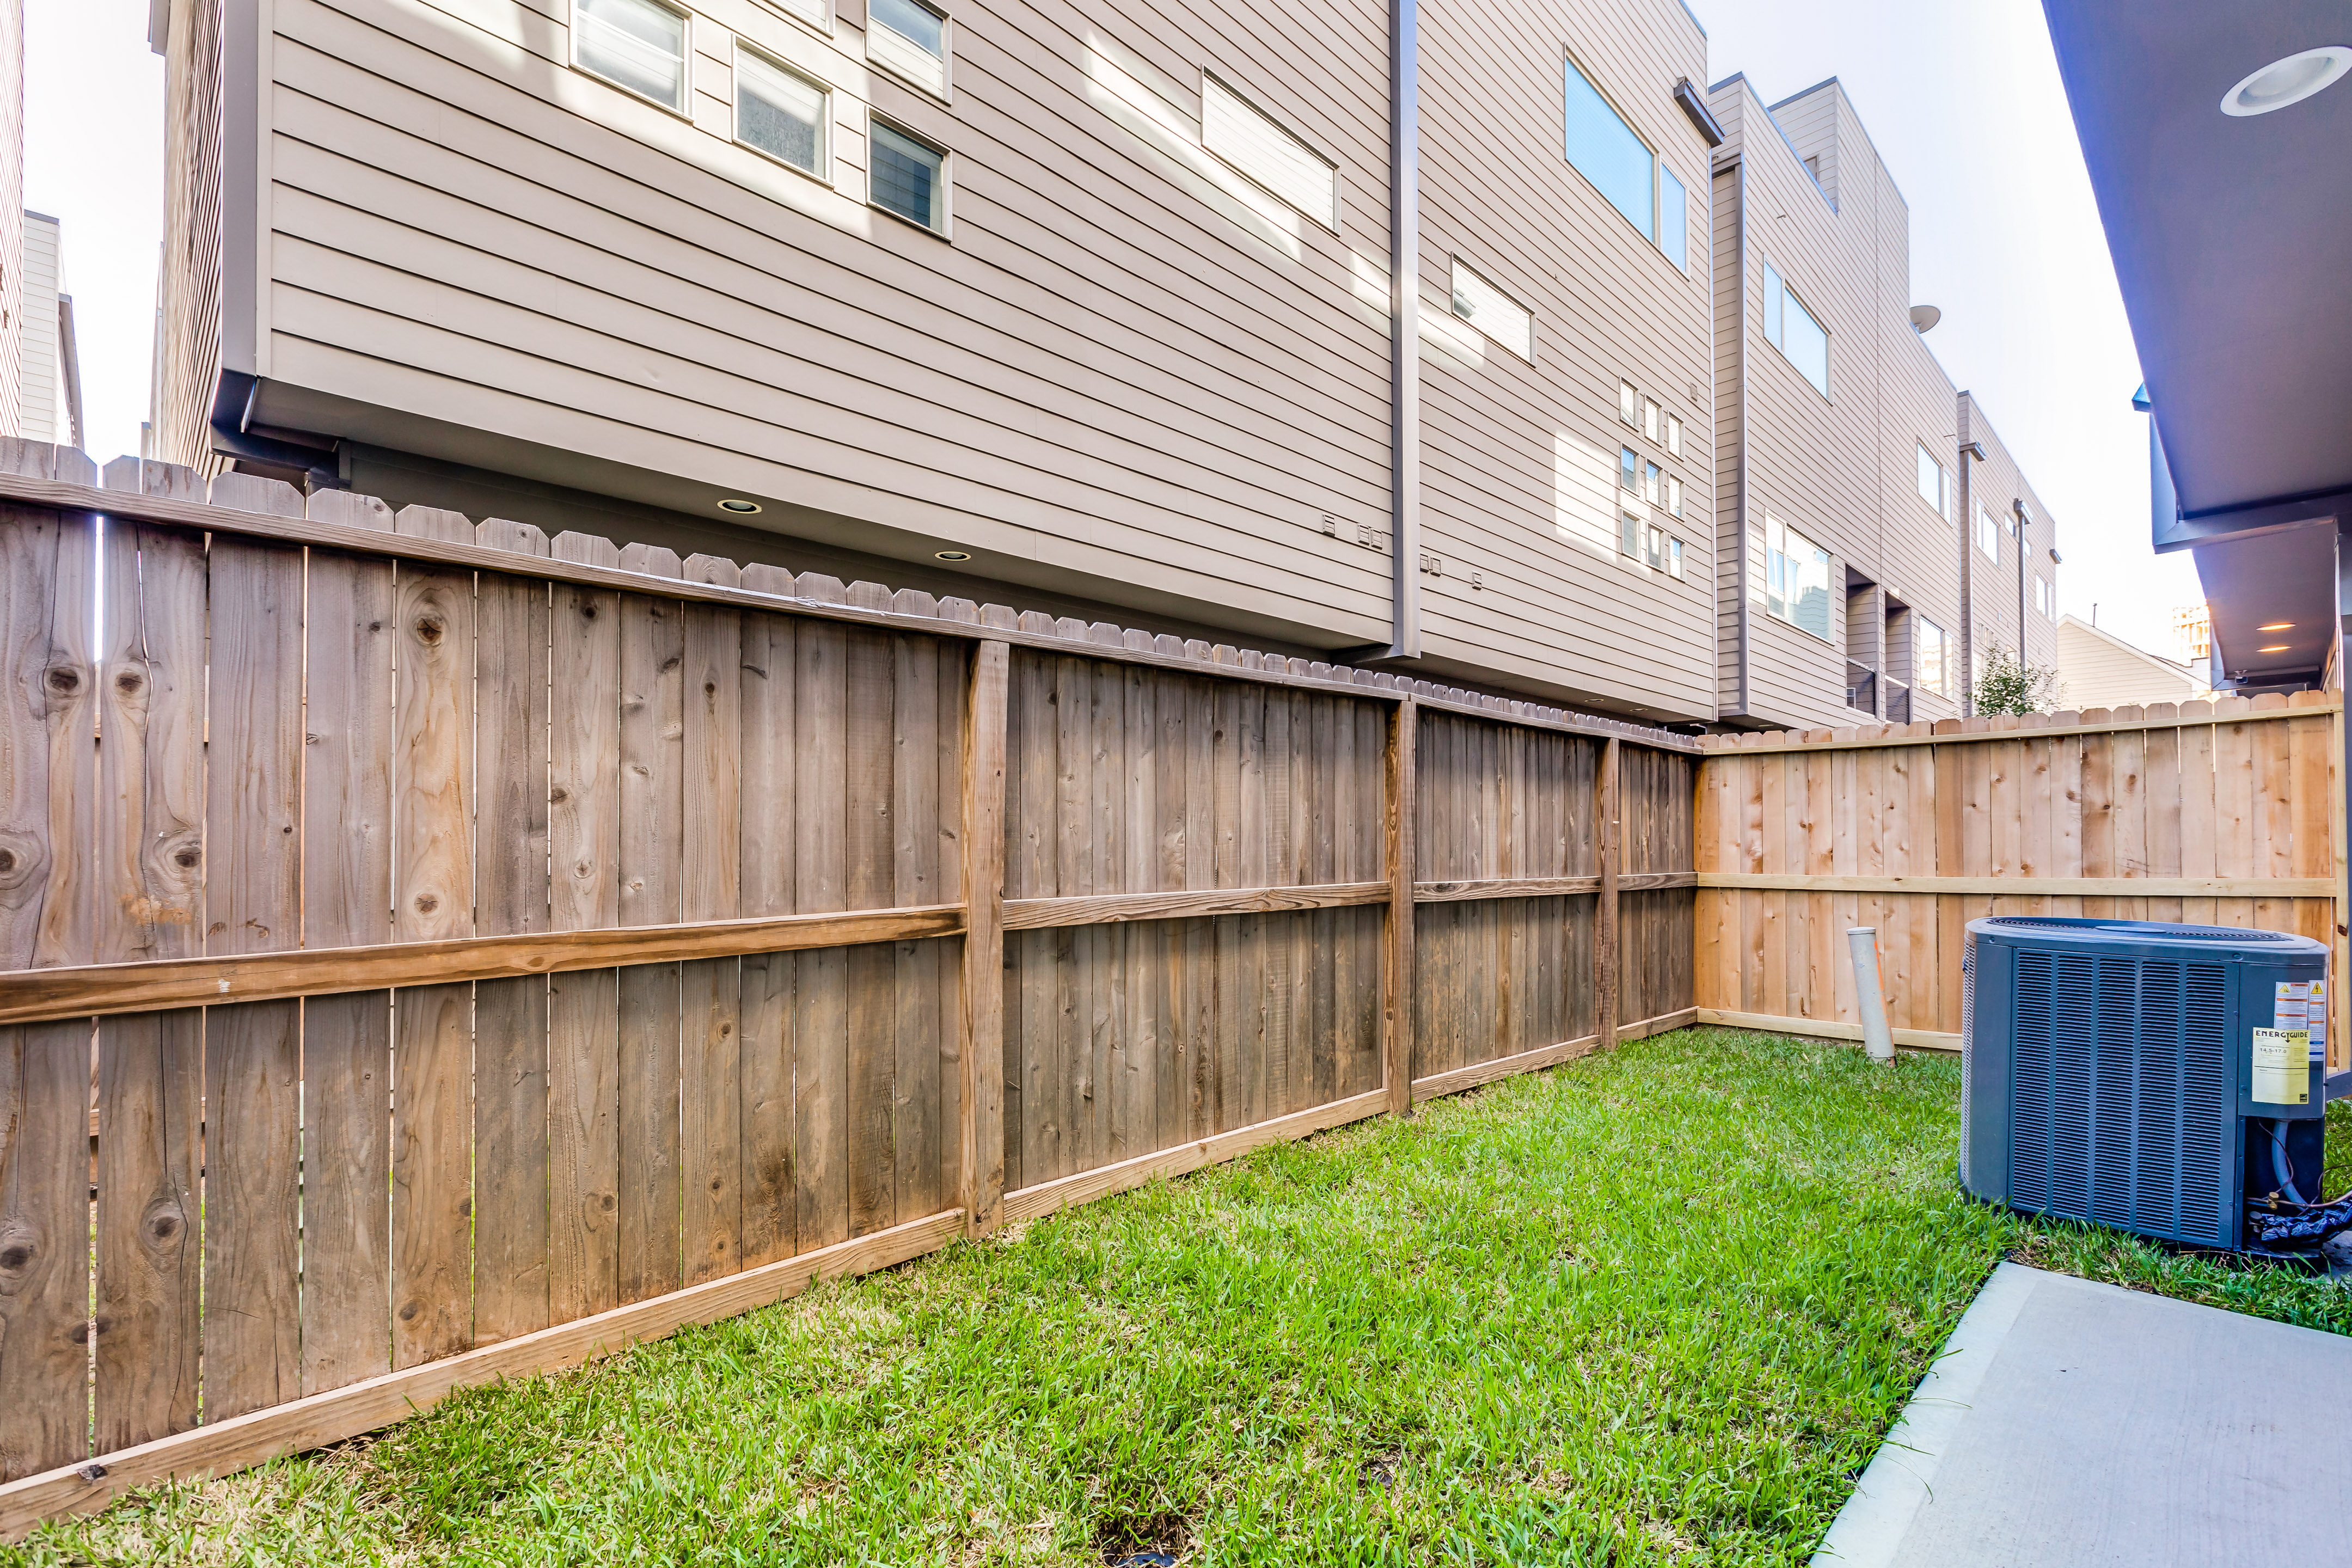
point(2086, 1425)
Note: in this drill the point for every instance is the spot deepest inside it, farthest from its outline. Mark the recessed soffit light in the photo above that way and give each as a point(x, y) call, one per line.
point(2274, 648)
point(2286, 82)
point(955, 555)
point(2277, 627)
point(739, 506)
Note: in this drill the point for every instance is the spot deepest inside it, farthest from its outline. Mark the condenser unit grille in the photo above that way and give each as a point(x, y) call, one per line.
point(2122, 1093)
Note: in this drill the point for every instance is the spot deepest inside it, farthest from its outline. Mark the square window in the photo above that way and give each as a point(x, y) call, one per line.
point(1675, 434)
point(1236, 131)
point(908, 178)
point(781, 113)
point(1493, 312)
point(1626, 397)
point(636, 44)
point(1629, 471)
point(907, 38)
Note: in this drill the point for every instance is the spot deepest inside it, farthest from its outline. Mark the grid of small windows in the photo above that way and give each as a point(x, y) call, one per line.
point(908, 178)
point(1639, 475)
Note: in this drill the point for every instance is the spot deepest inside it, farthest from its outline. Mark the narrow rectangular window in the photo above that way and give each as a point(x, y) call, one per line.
point(1649, 418)
point(1675, 434)
point(1988, 534)
point(1807, 344)
point(1629, 532)
point(1674, 559)
point(1773, 291)
point(1629, 469)
point(1605, 151)
point(907, 38)
point(779, 112)
point(1493, 312)
point(1657, 549)
point(1625, 399)
point(1673, 220)
point(1931, 480)
point(1653, 489)
point(1674, 495)
point(1269, 155)
point(908, 178)
point(1797, 579)
point(1934, 662)
point(1775, 568)
point(2044, 597)
point(637, 44)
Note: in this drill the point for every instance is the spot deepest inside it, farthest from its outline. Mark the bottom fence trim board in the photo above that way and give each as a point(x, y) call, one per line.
point(1824, 1029)
point(1050, 1197)
point(1438, 1085)
point(329, 1417)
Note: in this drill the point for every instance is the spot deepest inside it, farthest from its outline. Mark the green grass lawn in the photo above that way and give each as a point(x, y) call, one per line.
point(1654, 1307)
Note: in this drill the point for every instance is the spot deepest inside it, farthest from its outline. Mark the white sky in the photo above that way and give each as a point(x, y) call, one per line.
point(1962, 98)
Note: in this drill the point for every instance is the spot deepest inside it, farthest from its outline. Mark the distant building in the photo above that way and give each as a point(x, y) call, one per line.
point(2192, 634)
point(49, 384)
point(2099, 669)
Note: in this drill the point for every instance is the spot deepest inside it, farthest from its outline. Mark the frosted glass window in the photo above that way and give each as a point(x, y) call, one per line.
point(907, 177)
point(1267, 153)
point(1493, 312)
point(1673, 220)
point(635, 43)
point(1605, 151)
point(908, 39)
point(779, 112)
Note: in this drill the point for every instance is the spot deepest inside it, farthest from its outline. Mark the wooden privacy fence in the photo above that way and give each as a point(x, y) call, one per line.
point(432, 952)
point(2226, 813)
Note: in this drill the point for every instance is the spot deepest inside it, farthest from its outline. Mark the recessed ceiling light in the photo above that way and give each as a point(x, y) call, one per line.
point(2277, 627)
point(2289, 80)
point(2274, 648)
point(955, 555)
point(738, 505)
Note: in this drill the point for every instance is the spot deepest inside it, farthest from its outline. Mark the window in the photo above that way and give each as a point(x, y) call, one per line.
point(1988, 534)
point(1674, 559)
point(1934, 659)
point(1653, 484)
point(1795, 578)
point(1625, 403)
point(1931, 483)
point(1629, 469)
point(1675, 434)
point(1673, 220)
point(1674, 495)
point(634, 44)
point(907, 38)
point(1657, 550)
point(2045, 597)
point(779, 112)
point(1493, 312)
point(1610, 154)
point(1629, 530)
point(908, 178)
point(1791, 328)
point(1269, 154)
point(1649, 418)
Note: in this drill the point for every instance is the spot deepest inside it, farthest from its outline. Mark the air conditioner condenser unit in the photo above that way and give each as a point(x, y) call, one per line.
point(2166, 1079)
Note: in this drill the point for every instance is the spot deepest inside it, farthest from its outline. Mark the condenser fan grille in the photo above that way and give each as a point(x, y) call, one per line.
point(2122, 1093)
point(2138, 928)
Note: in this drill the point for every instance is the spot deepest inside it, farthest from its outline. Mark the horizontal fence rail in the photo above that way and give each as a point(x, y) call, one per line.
point(432, 952)
point(2224, 812)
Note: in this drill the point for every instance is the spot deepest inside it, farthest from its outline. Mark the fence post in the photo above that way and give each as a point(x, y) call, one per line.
point(981, 1049)
point(1405, 733)
point(1604, 959)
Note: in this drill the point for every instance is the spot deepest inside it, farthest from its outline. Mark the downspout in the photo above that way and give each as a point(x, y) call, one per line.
point(1739, 358)
point(1969, 449)
point(1404, 329)
point(2024, 554)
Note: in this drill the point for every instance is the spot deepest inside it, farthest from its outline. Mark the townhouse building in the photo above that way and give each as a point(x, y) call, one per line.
point(1094, 312)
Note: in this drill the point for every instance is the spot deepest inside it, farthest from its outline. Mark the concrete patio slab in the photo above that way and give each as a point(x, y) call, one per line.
point(2084, 1424)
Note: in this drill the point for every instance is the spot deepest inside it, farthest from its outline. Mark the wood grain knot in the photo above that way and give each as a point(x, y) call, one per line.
point(63, 679)
point(426, 903)
point(431, 629)
point(128, 683)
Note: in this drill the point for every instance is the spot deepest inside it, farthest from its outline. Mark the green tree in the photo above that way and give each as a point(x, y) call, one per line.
point(2007, 684)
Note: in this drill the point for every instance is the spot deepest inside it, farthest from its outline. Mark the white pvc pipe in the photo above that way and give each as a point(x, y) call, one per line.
point(1877, 1039)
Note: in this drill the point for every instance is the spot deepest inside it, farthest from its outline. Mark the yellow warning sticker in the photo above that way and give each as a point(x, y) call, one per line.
point(2282, 1067)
